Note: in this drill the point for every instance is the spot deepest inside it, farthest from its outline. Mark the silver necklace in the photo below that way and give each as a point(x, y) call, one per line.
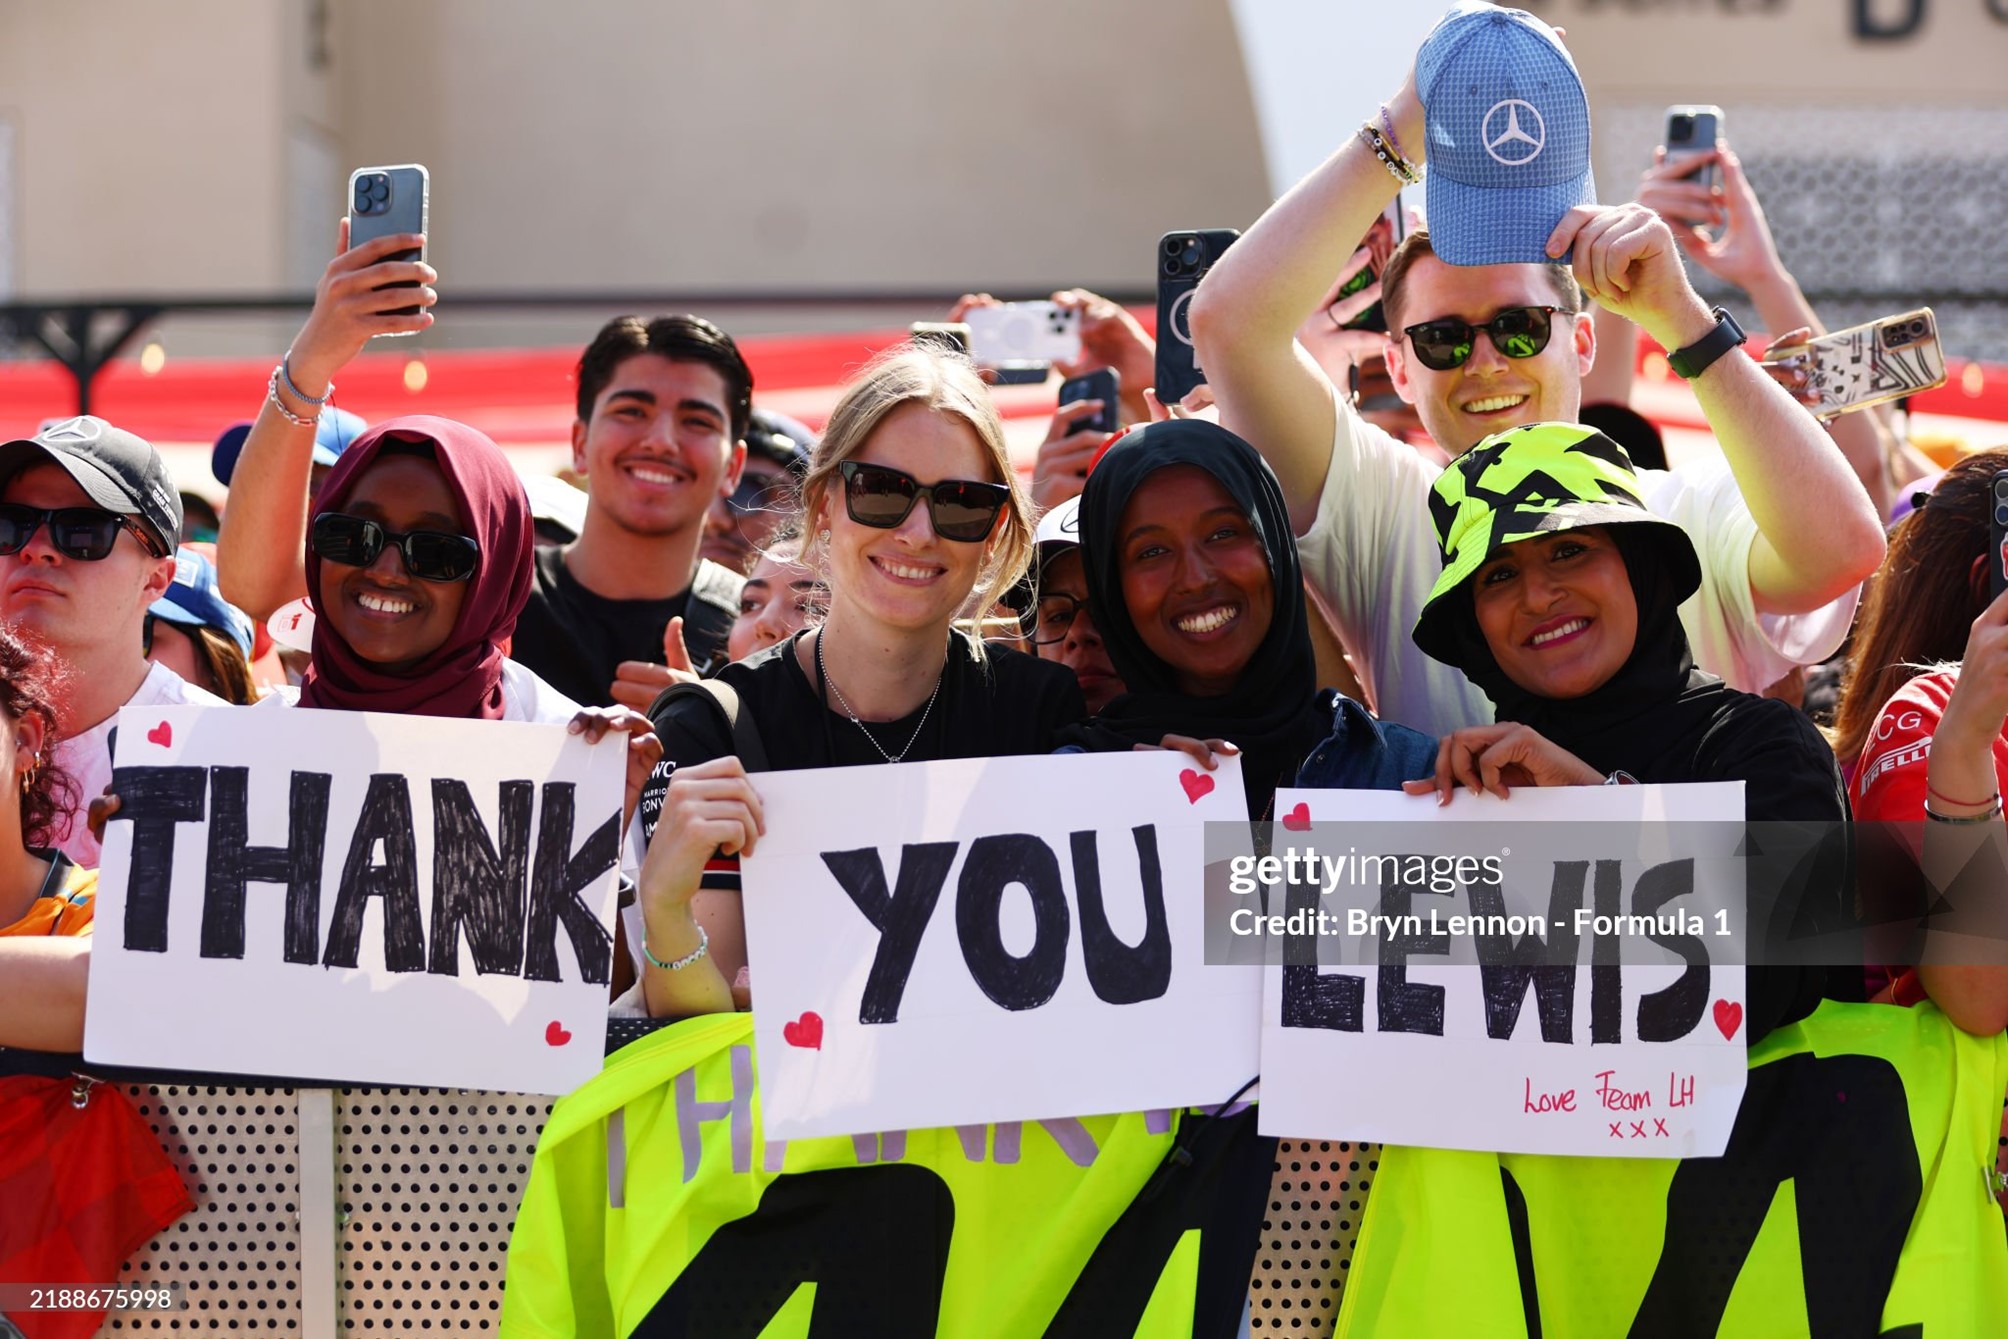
point(823, 675)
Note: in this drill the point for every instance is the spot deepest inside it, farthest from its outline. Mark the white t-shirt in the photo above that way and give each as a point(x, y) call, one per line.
point(1371, 553)
point(525, 697)
point(87, 757)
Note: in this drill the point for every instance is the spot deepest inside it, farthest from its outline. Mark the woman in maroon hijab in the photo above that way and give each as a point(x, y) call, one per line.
point(418, 557)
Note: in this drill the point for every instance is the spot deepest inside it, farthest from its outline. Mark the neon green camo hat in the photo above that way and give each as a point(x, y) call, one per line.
point(1537, 479)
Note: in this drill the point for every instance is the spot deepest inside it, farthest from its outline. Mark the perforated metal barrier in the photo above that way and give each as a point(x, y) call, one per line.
point(425, 1189)
point(427, 1183)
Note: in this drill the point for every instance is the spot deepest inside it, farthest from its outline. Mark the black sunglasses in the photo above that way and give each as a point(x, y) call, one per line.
point(1517, 332)
point(881, 497)
point(429, 555)
point(83, 533)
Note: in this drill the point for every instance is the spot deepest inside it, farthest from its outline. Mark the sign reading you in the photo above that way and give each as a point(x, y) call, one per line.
point(967, 942)
point(344, 895)
point(1574, 988)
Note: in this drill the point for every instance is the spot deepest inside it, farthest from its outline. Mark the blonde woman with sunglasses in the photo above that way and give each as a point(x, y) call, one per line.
point(916, 522)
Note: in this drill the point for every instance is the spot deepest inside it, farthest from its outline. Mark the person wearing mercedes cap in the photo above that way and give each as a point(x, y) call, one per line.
point(88, 519)
point(1489, 333)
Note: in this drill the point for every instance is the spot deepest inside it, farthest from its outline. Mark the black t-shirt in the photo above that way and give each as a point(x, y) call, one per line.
point(1006, 704)
point(574, 639)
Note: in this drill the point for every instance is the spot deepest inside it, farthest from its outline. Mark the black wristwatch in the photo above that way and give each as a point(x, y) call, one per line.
point(1692, 361)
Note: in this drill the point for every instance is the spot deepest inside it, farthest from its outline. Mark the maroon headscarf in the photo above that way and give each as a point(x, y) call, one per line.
point(463, 677)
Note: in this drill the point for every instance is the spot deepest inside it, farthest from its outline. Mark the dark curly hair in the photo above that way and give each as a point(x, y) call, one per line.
point(30, 677)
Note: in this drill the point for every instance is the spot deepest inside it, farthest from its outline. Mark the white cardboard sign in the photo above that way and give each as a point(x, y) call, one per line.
point(353, 896)
point(1404, 1050)
point(988, 940)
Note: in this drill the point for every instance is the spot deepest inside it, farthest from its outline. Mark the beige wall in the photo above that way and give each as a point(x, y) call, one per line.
point(146, 145)
point(648, 144)
point(785, 143)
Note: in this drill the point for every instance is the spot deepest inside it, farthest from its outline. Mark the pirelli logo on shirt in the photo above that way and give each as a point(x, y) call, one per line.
point(1889, 762)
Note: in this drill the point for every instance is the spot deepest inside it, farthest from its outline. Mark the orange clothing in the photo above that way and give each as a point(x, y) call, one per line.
point(66, 905)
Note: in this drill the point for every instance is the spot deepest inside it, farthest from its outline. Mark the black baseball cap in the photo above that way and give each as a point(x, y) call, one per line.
point(120, 471)
point(780, 440)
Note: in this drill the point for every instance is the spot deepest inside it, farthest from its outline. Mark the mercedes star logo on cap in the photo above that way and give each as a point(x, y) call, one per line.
point(1509, 143)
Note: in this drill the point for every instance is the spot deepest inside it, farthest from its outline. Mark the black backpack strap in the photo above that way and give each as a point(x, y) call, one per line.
point(724, 700)
point(709, 612)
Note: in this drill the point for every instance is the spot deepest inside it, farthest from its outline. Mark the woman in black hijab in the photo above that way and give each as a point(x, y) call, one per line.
point(1195, 588)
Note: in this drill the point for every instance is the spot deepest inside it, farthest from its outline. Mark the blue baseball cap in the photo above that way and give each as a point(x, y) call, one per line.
point(1508, 135)
point(333, 431)
point(194, 601)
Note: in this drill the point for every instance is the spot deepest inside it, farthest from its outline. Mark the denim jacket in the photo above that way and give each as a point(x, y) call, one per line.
point(1362, 753)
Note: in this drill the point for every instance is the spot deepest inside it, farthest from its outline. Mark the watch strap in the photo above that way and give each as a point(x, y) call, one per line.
point(1690, 362)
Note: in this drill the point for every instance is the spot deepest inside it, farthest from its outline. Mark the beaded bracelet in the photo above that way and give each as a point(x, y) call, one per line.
point(1393, 142)
point(1397, 167)
point(286, 374)
point(703, 947)
point(272, 396)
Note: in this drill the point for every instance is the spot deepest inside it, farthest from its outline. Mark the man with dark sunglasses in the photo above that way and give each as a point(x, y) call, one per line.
point(1785, 531)
point(88, 522)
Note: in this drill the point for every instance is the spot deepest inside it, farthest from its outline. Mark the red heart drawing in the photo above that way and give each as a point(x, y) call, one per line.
point(162, 734)
point(1728, 1017)
point(805, 1032)
point(1298, 819)
point(1196, 784)
point(555, 1034)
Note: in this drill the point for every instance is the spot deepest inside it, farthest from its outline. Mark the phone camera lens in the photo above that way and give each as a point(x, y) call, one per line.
point(1171, 246)
point(1681, 128)
point(362, 198)
point(2001, 513)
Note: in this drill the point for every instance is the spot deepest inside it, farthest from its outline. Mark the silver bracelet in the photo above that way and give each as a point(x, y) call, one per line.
point(286, 374)
point(272, 396)
point(703, 947)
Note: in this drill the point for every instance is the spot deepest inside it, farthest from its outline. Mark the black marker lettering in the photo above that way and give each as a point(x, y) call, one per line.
point(555, 883)
point(385, 817)
point(1507, 967)
point(994, 864)
point(900, 917)
point(474, 886)
point(234, 863)
point(1312, 999)
point(1118, 972)
point(153, 800)
point(1607, 990)
point(1668, 1015)
point(1404, 1006)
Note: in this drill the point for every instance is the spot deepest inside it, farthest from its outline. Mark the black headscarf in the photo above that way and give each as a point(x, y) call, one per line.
point(1273, 714)
point(1650, 717)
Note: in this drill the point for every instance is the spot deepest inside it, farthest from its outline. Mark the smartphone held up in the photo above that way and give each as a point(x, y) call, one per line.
point(1183, 258)
point(385, 202)
point(1867, 364)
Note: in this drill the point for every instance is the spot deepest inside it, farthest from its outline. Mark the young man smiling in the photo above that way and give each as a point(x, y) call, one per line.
point(662, 413)
point(88, 519)
point(1498, 339)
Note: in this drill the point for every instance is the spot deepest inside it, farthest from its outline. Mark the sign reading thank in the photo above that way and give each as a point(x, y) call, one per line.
point(343, 895)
